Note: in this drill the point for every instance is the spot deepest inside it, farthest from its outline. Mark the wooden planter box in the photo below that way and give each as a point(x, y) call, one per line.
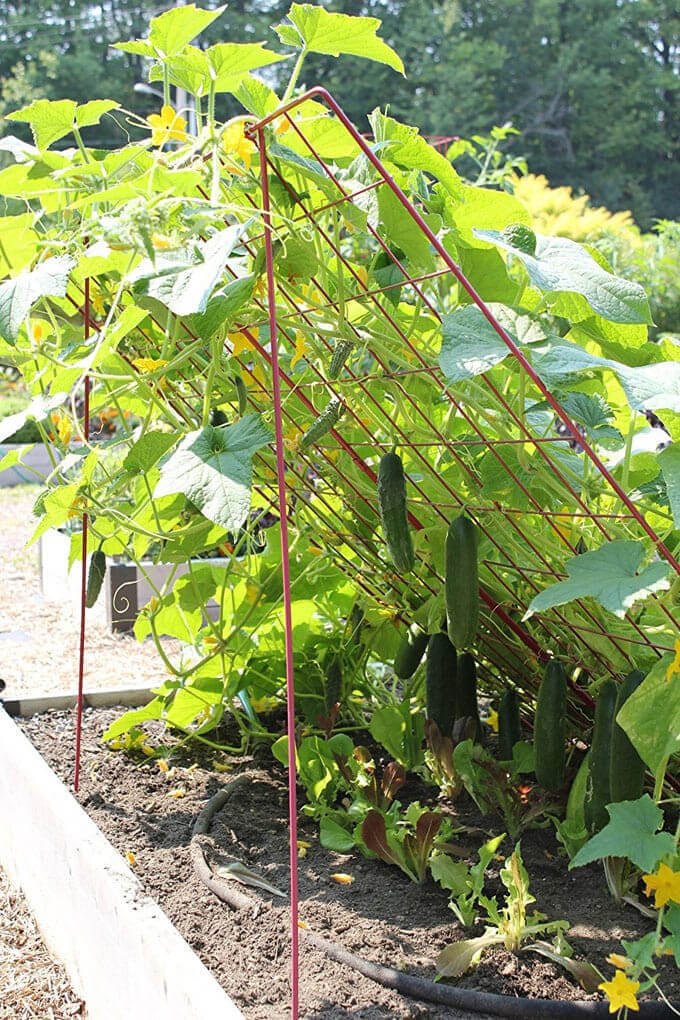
point(36, 458)
point(122, 954)
point(125, 591)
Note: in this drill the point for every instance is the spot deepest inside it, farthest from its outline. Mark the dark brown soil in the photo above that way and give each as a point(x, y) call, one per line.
point(381, 916)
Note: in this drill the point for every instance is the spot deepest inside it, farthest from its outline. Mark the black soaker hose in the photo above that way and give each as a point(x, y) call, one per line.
point(407, 984)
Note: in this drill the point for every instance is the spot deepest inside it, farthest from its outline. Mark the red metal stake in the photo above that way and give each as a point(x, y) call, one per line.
point(285, 572)
point(83, 575)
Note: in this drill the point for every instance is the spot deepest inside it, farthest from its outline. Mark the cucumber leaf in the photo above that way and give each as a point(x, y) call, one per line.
point(610, 574)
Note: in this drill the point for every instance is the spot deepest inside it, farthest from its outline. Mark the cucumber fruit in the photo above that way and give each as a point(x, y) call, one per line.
point(466, 693)
point(341, 351)
point(626, 767)
point(509, 726)
point(598, 786)
point(332, 682)
point(392, 506)
point(95, 577)
point(462, 582)
point(328, 418)
point(410, 652)
point(550, 723)
point(440, 683)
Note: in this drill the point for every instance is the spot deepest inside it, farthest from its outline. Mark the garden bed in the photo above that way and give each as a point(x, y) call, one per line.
point(380, 916)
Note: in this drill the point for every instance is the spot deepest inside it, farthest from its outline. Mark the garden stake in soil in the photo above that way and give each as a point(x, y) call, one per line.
point(83, 565)
point(285, 571)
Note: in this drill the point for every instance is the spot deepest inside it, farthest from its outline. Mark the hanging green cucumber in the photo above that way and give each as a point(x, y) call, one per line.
point(323, 424)
point(440, 682)
point(598, 786)
point(626, 767)
point(241, 394)
point(509, 726)
point(95, 577)
point(341, 351)
point(392, 506)
point(462, 583)
point(466, 693)
point(333, 682)
point(410, 652)
point(550, 723)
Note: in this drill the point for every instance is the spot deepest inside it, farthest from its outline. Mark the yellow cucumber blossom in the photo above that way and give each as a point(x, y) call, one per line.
point(240, 343)
point(145, 365)
point(301, 349)
point(665, 885)
point(167, 126)
point(237, 146)
point(621, 992)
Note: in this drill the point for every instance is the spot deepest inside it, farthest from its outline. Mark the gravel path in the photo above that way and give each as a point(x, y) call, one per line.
point(32, 985)
point(39, 639)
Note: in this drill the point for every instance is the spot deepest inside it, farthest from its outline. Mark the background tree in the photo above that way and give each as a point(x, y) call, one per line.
point(592, 85)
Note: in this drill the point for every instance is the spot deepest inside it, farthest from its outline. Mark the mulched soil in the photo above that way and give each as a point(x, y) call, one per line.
point(32, 985)
point(381, 916)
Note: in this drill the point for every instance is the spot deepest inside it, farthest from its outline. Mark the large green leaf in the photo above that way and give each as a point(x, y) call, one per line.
point(212, 467)
point(610, 574)
point(404, 146)
point(651, 716)
point(18, 296)
point(52, 119)
point(647, 387)
point(488, 209)
point(222, 67)
point(669, 459)
point(318, 31)
point(470, 344)
point(563, 265)
point(170, 32)
point(187, 290)
point(630, 832)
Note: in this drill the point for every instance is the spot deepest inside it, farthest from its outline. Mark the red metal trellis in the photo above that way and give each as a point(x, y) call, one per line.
point(342, 499)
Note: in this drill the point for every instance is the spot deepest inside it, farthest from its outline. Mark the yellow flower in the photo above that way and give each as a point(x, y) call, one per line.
point(130, 858)
point(302, 848)
point(253, 592)
point(37, 332)
point(492, 720)
point(301, 349)
point(237, 145)
point(146, 365)
point(179, 792)
point(264, 704)
point(161, 242)
point(674, 666)
point(342, 879)
point(163, 765)
point(97, 302)
point(665, 885)
point(167, 126)
point(362, 273)
point(616, 960)
point(239, 343)
point(621, 992)
point(64, 430)
point(260, 288)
